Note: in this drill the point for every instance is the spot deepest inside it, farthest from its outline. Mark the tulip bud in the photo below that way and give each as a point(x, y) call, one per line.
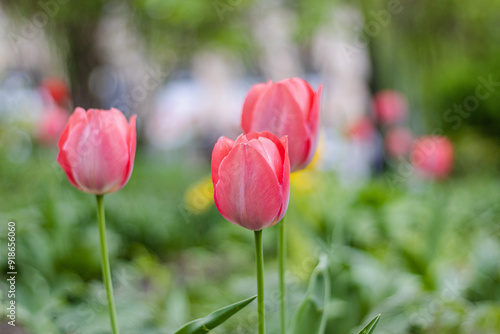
point(433, 156)
point(97, 150)
point(251, 178)
point(286, 108)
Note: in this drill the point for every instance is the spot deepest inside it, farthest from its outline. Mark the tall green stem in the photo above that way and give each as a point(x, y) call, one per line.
point(105, 263)
point(282, 265)
point(260, 281)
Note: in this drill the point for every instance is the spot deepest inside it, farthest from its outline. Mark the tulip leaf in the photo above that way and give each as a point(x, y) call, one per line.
point(214, 319)
point(312, 315)
point(370, 326)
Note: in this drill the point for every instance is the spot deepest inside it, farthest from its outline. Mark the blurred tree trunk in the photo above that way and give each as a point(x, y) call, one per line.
point(82, 59)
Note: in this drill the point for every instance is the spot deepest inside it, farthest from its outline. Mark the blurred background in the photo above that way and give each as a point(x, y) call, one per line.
point(402, 195)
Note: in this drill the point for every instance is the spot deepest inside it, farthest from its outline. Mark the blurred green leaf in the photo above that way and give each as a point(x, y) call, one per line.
point(311, 316)
point(370, 326)
point(214, 319)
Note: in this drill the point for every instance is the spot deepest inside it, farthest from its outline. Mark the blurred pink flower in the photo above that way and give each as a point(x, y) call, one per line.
point(97, 150)
point(51, 124)
point(433, 156)
point(398, 141)
point(290, 108)
point(362, 129)
point(390, 106)
point(57, 89)
point(251, 178)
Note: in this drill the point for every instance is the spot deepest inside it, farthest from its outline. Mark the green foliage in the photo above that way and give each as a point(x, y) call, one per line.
point(370, 327)
point(312, 314)
point(214, 319)
point(424, 255)
point(438, 54)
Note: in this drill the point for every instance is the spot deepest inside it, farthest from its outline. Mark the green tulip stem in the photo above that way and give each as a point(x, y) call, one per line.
point(282, 260)
point(105, 263)
point(260, 281)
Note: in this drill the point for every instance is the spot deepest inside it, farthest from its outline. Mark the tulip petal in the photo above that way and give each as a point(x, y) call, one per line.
point(105, 120)
point(313, 126)
point(76, 123)
point(247, 192)
point(246, 137)
point(249, 105)
point(281, 149)
point(278, 112)
point(285, 184)
point(314, 115)
point(267, 148)
point(302, 93)
point(132, 144)
point(221, 149)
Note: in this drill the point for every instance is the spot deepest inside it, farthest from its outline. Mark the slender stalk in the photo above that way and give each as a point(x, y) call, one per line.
point(105, 263)
point(260, 281)
point(282, 265)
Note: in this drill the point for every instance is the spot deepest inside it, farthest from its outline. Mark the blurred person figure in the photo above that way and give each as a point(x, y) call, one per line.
point(351, 141)
point(344, 67)
point(22, 102)
point(126, 78)
point(216, 71)
point(171, 121)
point(272, 26)
point(21, 107)
point(363, 147)
point(23, 61)
point(200, 104)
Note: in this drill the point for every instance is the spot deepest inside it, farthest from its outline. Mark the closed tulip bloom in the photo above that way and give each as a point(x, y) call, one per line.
point(433, 156)
point(251, 178)
point(286, 108)
point(97, 150)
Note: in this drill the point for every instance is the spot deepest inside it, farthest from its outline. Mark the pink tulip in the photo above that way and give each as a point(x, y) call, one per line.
point(398, 141)
point(433, 156)
point(251, 178)
point(362, 129)
point(390, 106)
point(288, 107)
point(57, 89)
point(51, 124)
point(97, 150)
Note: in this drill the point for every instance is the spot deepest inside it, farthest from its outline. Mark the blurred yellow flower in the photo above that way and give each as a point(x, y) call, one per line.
point(303, 181)
point(200, 196)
